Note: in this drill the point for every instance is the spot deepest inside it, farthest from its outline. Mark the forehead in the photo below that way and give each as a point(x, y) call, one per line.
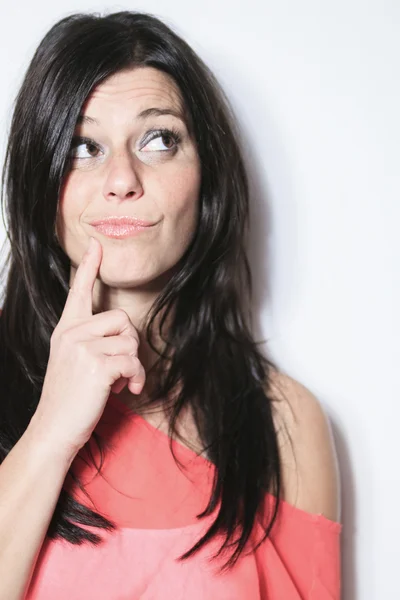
point(135, 86)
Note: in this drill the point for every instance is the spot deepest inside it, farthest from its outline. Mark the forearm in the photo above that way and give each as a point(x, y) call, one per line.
point(31, 478)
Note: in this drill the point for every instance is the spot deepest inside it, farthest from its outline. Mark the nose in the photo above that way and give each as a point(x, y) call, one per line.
point(122, 181)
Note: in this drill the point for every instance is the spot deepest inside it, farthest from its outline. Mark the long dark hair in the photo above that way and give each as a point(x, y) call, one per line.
point(215, 361)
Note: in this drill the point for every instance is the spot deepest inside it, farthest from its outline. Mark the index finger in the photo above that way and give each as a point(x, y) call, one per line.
point(79, 304)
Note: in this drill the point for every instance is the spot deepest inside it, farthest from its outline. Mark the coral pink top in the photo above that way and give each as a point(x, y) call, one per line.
point(154, 505)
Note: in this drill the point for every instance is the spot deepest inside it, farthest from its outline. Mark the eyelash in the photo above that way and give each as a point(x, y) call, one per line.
point(163, 132)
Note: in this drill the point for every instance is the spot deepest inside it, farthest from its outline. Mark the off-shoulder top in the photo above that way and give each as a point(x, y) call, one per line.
point(154, 504)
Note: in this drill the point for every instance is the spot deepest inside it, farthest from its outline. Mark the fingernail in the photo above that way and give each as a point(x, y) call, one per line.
point(137, 388)
point(91, 245)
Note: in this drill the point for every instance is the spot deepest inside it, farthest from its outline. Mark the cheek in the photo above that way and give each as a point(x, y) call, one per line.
point(73, 194)
point(182, 201)
point(183, 209)
point(71, 204)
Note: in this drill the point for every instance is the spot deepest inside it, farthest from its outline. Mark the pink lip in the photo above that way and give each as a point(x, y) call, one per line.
point(120, 227)
point(121, 221)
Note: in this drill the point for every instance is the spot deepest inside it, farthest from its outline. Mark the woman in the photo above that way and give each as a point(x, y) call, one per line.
point(149, 449)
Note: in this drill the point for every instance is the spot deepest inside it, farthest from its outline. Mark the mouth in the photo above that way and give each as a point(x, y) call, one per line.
point(121, 227)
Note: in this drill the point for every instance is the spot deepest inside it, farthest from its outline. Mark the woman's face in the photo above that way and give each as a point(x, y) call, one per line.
point(125, 169)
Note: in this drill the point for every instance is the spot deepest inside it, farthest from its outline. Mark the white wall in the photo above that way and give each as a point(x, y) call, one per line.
point(316, 89)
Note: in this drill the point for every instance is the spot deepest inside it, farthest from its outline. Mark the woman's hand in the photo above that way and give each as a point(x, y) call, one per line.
point(88, 355)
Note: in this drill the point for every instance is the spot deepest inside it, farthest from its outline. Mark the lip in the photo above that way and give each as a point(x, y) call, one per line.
point(123, 220)
point(121, 227)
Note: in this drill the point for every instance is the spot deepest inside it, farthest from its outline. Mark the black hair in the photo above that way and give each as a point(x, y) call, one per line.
point(210, 290)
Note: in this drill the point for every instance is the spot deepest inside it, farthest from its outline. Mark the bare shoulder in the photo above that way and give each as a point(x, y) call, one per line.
point(310, 472)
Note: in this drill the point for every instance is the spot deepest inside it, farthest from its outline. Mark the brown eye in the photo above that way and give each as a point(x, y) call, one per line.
point(91, 148)
point(82, 148)
point(168, 138)
point(162, 140)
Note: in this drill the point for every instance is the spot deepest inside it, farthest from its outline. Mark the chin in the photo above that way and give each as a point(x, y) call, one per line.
point(125, 283)
point(151, 280)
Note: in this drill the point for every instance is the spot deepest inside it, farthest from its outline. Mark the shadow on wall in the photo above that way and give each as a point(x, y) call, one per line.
point(259, 251)
point(348, 497)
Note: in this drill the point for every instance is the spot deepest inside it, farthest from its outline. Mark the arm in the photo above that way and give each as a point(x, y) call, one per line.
point(309, 544)
point(89, 355)
point(31, 478)
point(310, 469)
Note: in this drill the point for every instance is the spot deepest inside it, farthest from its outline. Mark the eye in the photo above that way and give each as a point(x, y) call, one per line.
point(170, 138)
point(86, 144)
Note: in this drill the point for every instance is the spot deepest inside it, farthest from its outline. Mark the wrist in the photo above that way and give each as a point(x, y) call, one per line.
point(46, 446)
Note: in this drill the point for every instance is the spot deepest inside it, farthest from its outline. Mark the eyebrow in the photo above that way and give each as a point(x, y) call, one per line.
point(144, 114)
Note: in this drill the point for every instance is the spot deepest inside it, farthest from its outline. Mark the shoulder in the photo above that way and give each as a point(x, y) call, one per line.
point(310, 472)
